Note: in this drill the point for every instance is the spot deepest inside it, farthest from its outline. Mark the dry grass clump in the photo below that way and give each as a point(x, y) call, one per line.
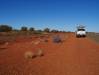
point(4, 45)
point(36, 42)
point(29, 55)
point(39, 52)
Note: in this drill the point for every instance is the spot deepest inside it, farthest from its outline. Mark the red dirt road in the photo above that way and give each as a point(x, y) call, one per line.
point(75, 56)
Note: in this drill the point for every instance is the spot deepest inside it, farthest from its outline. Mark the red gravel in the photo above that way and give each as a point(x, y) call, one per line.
point(74, 56)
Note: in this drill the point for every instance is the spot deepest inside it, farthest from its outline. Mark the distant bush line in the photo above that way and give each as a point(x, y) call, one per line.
point(24, 29)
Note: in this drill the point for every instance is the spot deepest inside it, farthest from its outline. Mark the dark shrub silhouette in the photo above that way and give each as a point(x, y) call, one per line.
point(5, 28)
point(57, 39)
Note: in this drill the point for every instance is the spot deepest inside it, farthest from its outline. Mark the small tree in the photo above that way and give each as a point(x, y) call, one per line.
point(54, 31)
point(5, 28)
point(24, 28)
point(38, 31)
point(46, 30)
point(31, 29)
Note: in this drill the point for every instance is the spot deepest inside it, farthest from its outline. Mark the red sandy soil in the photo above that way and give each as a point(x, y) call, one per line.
point(74, 56)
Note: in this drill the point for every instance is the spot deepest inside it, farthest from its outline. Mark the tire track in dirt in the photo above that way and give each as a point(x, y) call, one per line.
point(82, 56)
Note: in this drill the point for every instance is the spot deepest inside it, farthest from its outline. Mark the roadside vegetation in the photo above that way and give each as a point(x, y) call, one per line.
point(9, 34)
point(24, 30)
point(94, 36)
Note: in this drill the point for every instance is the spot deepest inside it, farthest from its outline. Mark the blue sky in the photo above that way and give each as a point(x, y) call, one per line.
point(55, 14)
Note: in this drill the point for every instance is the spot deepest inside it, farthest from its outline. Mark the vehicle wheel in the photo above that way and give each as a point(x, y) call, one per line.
point(84, 35)
point(77, 36)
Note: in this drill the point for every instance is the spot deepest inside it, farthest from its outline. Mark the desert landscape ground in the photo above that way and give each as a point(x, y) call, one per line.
point(73, 56)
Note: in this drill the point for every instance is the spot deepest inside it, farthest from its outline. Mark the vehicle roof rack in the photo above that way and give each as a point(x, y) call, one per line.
point(80, 27)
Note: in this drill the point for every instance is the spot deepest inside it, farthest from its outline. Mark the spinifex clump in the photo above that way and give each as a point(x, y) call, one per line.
point(29, 55)
point(39, 52)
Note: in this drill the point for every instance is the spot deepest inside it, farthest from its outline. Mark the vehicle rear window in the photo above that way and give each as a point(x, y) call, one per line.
point(81, 29)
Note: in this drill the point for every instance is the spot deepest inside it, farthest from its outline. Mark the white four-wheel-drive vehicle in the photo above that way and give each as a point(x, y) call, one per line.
point(80, 32)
